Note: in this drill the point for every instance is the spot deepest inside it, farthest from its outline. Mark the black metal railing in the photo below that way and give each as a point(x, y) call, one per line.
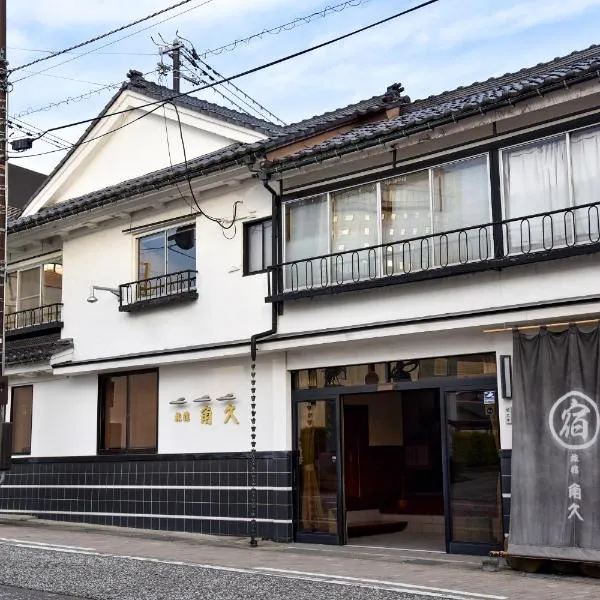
point(158, 289)
point(32, 317)
point(540, 236)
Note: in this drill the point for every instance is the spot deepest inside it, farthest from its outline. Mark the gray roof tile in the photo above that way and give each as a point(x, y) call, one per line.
point(36, 349)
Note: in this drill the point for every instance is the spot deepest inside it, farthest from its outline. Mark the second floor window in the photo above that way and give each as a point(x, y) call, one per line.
point(257, 246)
point(33, 288)
point(166, 252)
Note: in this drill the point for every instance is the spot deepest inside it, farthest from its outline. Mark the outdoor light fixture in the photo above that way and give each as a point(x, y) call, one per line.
point(92, 297)
point(226, 398)
point(179, 401)
point(205, 398)
point(506, 376)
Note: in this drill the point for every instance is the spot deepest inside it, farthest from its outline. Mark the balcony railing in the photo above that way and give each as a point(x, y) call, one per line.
point(543, 236)
point(40, 316)
point(156, 291)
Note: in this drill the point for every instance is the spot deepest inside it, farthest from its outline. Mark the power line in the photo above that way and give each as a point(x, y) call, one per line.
point(297, 22)
point(93, 50)
point(169, 99)
point(24, 126)
point(102, 36)
point(40, 51)
point(69, 99)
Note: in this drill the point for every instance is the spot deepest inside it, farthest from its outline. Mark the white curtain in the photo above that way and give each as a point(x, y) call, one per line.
point(306, 235)
point(405, 214)
point(354, 225)
point(585, 169)
point(461, 199)
point(536, 180)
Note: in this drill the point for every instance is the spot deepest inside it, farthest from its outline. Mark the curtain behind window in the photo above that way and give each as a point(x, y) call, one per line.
point(535, 180)
point(585, 161)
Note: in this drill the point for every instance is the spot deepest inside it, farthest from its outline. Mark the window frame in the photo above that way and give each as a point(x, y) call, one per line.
point(102, 378)
point(246, 245)
point(378, 181)
point(163, 231)
point(27, 451)
point(57, 260)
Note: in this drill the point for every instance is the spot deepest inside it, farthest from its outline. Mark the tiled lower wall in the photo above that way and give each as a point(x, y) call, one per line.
point(194, 493)
point(505, 469)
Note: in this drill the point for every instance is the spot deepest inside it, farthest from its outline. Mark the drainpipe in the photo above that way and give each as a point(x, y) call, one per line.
point(253, 349)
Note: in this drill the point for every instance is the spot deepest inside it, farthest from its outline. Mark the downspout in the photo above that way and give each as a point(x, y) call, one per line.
point(253, 350)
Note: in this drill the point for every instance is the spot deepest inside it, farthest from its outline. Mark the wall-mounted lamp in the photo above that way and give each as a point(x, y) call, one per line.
point(92, 297)
point(179, 401)
point(506, 376)
point(205, 398)
point(226, 398)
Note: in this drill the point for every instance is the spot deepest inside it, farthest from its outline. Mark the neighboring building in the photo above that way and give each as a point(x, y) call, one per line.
point(410, 237)
point(23, 184)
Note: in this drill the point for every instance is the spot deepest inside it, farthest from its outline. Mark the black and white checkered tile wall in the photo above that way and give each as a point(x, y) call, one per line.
point(505, 469)
point(199, 493)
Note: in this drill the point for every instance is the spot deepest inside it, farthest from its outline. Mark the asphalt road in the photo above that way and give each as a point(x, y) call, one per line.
point(28, 573)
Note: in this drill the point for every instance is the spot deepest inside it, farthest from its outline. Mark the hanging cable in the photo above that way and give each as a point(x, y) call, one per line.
point(169, 99)
point(104, 45)
point(219, 222)
point(102, 36)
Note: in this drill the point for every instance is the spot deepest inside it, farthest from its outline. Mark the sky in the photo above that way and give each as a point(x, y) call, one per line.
point(437, 48)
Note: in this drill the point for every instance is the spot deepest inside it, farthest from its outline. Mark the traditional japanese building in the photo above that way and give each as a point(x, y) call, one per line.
point(338, 356)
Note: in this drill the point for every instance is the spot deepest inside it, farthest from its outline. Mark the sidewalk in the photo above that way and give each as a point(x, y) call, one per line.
point(406, 567)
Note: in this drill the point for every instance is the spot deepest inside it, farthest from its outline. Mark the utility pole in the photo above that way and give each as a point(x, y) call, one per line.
point(3, 189)
point(176, 56)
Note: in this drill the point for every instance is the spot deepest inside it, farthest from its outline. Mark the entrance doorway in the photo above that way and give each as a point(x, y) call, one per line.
point(414, 467)
point(393, 469)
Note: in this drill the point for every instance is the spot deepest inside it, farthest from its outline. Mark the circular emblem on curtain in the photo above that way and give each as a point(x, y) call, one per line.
point(574, 421)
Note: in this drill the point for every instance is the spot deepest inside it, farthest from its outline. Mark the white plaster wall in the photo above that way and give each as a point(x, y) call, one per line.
point(64, 418)
point(217, 378)
point(577, 277)
point(230, 306)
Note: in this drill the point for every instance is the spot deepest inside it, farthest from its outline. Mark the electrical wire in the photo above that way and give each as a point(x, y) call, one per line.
point(40, 51)
point(86, 96)
point(219, 222)
point(93, 50)
point(100, 37)
point(251, 71)
point(32, 131)
point(264, 113)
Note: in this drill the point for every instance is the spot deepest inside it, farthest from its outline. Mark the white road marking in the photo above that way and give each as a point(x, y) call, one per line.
point(46, 544)
point(383, 582)
point(393, 586)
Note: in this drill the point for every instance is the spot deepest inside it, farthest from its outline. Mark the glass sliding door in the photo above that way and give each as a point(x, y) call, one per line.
point(473, 485)
point(306, 231)
point(354, 225)
point(319, 509)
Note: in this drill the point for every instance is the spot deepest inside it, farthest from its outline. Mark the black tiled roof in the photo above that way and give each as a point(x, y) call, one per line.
point(36, 349)
point(148, 88)
point(445, 107)
point(461, 102)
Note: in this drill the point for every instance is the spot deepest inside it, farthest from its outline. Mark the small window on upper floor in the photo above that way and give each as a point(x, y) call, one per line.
point(33, 296)
point(257, 246)
point(167, 252)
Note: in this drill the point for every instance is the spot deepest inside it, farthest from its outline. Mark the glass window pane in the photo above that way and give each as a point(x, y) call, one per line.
point(11, 292)
point(306, 235)
point(535, 180)
point(406, 213)
point(181, 249)
point(585, 161)
point(255, 247)
point(268, 243)
point(461, 199)
point(354, 225)
point(29, 288)
point(151, 255)
point(143, 410)
point(115, 413)
point(21, 409)
point(52, 283)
